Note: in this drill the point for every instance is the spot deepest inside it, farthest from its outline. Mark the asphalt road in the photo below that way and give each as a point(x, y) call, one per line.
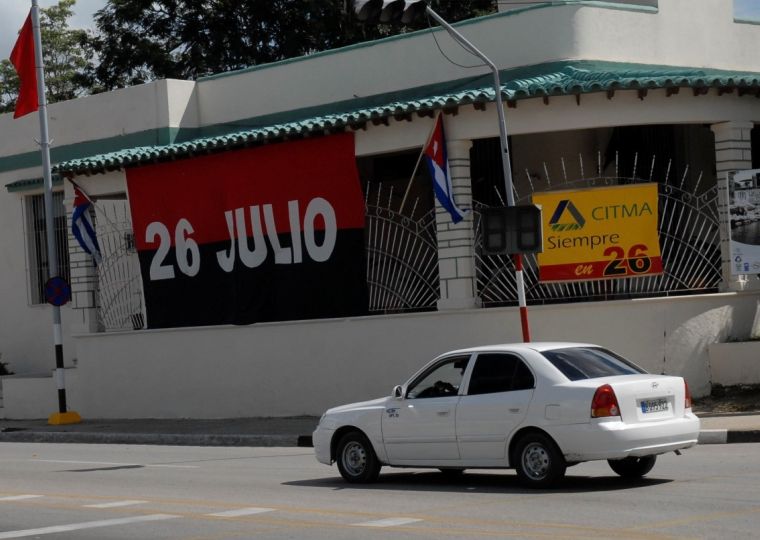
point(67, 491)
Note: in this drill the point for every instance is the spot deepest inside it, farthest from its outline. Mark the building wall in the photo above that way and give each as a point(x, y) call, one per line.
point(26, 339)
point(154, 113)
point(22, 325)
point(302, 368)
point(679, 33)
point(26, 330)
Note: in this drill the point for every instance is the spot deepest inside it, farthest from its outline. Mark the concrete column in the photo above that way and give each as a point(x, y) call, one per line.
point(84, 279)
point(733, 152)
point(456, 242)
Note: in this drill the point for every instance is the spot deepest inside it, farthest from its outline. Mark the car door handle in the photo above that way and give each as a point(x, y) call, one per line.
point(443, 413)
point(514, 411)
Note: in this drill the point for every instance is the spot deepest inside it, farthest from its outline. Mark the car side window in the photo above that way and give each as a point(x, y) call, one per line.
point(443, 379)
point(499, 373)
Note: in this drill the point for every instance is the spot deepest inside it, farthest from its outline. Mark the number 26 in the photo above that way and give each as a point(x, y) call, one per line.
point(637, 260)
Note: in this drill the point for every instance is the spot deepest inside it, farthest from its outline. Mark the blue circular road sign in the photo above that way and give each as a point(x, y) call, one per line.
point(57, 291)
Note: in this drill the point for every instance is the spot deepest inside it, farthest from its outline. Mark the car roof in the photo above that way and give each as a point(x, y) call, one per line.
point(539, 346)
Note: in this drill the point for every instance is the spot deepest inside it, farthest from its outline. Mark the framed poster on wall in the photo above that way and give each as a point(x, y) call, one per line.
point(744, 221)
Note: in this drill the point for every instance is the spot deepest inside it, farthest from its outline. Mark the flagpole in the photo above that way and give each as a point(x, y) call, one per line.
point(63, 416)
point(419, 160)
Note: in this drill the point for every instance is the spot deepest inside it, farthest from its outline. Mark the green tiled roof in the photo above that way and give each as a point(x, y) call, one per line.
point(32, 183)
point(544, 80)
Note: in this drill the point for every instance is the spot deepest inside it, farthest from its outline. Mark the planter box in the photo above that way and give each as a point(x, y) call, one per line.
point(735, 363)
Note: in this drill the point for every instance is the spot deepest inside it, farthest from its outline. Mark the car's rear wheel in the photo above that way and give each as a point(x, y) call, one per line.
point(538, 461)
point(632, 467)
point(357, 461)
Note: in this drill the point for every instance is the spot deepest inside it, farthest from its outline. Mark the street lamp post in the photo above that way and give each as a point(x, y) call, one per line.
point(406, 11)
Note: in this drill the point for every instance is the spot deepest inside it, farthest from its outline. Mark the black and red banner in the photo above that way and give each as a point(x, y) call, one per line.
point(271, 233)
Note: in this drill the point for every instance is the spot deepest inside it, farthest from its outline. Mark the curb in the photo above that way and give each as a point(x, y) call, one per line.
point(706, 436)
point(156, 439)
point(728, 436)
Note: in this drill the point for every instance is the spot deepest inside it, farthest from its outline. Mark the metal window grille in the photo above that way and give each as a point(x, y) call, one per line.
point(38, 264)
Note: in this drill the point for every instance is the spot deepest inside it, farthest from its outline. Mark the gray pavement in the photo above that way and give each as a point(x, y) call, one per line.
point(293, 431)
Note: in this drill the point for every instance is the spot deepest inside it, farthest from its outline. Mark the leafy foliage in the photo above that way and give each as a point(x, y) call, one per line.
point(141, 40)
point(64, 55)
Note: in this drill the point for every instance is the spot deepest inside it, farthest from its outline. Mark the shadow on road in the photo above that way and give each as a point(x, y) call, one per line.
point(480, 482)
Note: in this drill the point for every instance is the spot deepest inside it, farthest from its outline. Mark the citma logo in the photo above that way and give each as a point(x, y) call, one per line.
point(566, 205)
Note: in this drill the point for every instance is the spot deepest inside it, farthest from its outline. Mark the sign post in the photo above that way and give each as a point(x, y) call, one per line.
point(63, 416)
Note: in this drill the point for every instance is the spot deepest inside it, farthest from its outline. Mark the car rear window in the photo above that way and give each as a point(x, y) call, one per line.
point(578, 363)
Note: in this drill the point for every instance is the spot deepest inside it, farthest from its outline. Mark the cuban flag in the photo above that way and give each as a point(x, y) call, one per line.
point(438, 164)
point(82, 227)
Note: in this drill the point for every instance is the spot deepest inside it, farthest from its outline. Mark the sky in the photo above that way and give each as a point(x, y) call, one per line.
point(13, 13)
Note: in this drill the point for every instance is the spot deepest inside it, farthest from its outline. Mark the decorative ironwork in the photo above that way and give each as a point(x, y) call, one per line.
point(402, 257)
point(119, 283)
point(689, 241)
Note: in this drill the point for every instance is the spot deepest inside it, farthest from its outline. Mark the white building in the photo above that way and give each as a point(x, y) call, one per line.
point(595, 93)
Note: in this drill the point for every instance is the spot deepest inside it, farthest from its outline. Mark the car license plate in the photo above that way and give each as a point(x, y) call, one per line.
point(654, 405)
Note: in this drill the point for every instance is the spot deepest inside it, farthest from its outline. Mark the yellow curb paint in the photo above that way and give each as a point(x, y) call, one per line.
point(59, 419)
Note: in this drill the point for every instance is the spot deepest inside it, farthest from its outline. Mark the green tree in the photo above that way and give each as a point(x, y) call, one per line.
point(142, 40)
point(65, 56)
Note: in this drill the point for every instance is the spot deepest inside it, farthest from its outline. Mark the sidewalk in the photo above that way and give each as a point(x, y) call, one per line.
point(716, 429)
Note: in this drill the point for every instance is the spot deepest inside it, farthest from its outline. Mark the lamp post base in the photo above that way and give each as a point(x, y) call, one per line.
point(59, 418)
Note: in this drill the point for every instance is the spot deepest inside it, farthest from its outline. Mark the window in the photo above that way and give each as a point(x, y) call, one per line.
point(499, 373)
point(34, 210)
point(578, 363)
point(443, 379)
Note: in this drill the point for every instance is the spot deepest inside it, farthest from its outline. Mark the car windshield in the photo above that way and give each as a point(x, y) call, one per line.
point(578, 363)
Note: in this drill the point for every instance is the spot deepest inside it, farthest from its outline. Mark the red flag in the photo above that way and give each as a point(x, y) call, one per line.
point(22, 58)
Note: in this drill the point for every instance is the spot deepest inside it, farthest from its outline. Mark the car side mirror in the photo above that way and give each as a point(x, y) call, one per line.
point(398, 392)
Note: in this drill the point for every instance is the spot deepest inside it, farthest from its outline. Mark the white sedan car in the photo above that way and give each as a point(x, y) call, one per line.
point(534, 407)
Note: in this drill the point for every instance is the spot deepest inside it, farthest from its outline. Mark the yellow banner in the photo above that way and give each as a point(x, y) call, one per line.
point(599, 233)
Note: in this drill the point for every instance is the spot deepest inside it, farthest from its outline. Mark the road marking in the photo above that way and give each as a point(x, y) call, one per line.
point(242, 512)
point(84, 525)
point(390, 522)
point(19, 497)
point(116, 504)
point(113, 464)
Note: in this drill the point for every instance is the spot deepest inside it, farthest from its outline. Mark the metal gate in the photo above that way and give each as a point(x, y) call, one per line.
point(120, 305)
point(689, 240)
point(402, 257)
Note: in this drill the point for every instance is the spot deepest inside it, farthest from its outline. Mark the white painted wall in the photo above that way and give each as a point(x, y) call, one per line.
point(295, 368)
point(681, 33)
point(100, 116)
point(26, 331)
point(26, 339)
point(735, 363)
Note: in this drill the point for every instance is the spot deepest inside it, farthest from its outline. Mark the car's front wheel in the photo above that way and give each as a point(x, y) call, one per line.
point(539, 462)
point(632, 467)
point(357, 461)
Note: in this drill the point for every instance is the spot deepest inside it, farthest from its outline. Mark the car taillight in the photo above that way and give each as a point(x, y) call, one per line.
point(687, 393)
point(605, 402)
